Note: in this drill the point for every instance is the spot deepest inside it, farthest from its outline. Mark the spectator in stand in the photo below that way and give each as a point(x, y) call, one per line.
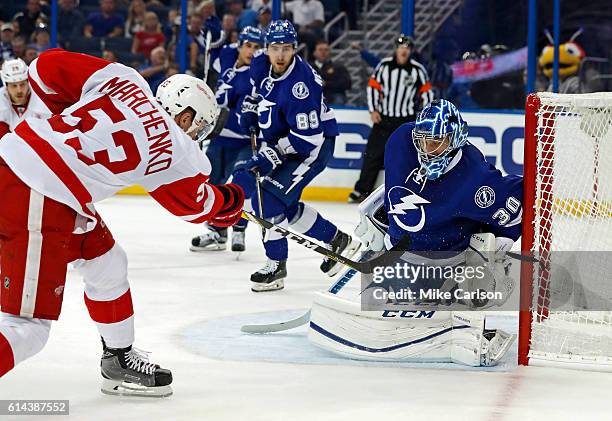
point(28, 19)
point(206, 9)
point(195, 26)
point(352, 12)
point(264, 17)
point(256, 4)
point(154, 72)
point(105, 23)
point(6, 39)
point(135, 17)
point(336, 79)
point(29, 54)
point(150, 37)
point(173, 69)
point(41, 38)
point(19, 47)
point(232, 38)
point(228, 23)
point(244, 17)
point(109, 55)
point(70, 21)
point(308, 17)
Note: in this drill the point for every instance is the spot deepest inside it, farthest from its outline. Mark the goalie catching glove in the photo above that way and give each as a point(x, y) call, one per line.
point(231, 211)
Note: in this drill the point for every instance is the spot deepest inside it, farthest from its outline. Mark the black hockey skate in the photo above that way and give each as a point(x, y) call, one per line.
point(343, 244)
point(238, 243)
point(128, 372)
point(211, 241)
point(270, 277)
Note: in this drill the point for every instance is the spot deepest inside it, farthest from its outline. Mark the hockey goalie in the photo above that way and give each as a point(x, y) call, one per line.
point(440, 192)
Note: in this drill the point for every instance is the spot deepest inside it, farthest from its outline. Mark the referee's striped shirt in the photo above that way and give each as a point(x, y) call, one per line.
point(399, 90)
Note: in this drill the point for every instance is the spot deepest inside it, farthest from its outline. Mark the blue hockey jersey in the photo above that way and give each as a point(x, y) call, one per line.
point(226, 57)
point(441, 215)
point(292, 111)
point(232, 86)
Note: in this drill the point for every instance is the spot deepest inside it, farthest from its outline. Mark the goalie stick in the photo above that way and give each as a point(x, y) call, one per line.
point(363, 267)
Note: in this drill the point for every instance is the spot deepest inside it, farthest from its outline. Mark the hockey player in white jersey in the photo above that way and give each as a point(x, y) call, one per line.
point(17, 101)
point(441, 192)
point(107, 132)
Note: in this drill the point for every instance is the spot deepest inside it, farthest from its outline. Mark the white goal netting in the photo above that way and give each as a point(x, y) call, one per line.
point(572, 232)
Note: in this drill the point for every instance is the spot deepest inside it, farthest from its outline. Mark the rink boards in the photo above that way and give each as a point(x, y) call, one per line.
point(499, 135)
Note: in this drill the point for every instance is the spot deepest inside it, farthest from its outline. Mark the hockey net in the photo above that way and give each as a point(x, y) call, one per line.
point(565, 317)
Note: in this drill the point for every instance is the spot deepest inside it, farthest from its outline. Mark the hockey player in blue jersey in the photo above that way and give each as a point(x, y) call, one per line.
point(299, 133)
point(458, 210)
point(231, 146)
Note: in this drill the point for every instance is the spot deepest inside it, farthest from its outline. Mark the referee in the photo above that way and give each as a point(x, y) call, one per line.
point(397, 90)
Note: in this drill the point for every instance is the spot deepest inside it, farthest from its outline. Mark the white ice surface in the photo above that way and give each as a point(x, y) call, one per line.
point(188, 307)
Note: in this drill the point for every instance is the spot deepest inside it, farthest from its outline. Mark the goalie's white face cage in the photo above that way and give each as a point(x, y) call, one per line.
point(567, 208)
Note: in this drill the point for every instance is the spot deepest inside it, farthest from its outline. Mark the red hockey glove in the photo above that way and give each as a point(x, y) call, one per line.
point(231, 211)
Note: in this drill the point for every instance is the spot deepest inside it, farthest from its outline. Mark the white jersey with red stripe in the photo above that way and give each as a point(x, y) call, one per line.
point(11, 115)
point(107, 132)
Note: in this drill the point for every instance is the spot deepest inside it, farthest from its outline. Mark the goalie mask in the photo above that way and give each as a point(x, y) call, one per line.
point(439, 132)
point(181, 92)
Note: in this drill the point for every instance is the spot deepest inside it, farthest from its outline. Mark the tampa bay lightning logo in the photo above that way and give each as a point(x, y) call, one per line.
point(484, 197)
point(406, 208)
point(267, 86)
point(300, 90)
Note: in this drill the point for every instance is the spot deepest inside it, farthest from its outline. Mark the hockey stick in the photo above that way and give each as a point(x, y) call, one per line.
point(207, 48)
point(363, 267)
point(304, 318)
point(253, 137)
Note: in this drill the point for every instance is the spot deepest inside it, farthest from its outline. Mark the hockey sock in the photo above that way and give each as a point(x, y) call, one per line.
point(277, 247)
point(20, 339)
point(114, 319)
point(108, 298)
point(7, 360)
point(306, 220)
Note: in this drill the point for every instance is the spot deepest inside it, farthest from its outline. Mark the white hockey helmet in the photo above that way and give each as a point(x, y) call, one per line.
point(14, 71)
point(179, 92)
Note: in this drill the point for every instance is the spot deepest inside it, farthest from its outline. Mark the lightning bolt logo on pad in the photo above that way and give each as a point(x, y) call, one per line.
point(406, 207)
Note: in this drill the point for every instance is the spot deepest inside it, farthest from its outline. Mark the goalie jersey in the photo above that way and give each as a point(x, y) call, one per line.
point(292, 110)
point(441, 215)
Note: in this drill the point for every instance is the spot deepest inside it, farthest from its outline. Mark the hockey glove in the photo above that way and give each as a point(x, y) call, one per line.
point(212, 25)
point(249, 119)
point(231, 211)
point(265, 161)
point(246, 180)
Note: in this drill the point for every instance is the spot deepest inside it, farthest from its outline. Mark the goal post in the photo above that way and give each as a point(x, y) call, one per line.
point(565, 317)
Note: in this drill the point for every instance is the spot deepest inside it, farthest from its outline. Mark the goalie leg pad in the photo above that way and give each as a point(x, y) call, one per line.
point(338, 325)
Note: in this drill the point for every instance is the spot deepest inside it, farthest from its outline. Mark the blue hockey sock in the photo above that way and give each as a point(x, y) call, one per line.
point(306, 220)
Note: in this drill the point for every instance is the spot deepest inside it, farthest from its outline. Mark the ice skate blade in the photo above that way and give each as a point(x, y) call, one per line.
point(272, 286)
point(219, 247)
point(119, 388)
